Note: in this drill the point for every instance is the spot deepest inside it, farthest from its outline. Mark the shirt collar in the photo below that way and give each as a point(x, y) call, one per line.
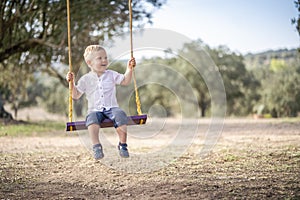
point(94, 74)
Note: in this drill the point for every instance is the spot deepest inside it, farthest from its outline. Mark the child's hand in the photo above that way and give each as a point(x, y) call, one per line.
point(131, 63)
point(70, 76)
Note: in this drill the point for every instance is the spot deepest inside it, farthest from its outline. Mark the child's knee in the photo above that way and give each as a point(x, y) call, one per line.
point(122, 129)
point(94, 118)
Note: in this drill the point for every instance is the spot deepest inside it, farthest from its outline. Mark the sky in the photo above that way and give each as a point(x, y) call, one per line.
point(244, 26)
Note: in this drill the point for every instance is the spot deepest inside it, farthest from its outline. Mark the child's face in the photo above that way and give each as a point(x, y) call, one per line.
point(98, 63)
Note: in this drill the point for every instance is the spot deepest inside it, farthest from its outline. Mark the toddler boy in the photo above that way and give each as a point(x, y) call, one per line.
point(99, 86)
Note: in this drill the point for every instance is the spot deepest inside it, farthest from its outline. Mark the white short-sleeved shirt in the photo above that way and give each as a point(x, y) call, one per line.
point(100, 91)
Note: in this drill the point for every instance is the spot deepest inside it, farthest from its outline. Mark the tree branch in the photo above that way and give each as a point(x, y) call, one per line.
point(53, 72)
point(24, 46)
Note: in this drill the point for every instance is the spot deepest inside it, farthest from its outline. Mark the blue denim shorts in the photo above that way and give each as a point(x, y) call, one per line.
point(117, 115)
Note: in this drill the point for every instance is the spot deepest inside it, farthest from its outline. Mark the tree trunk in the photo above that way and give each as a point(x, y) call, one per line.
point(202, 105)
point(203, 109)
point(16, 111)
point(3, 113)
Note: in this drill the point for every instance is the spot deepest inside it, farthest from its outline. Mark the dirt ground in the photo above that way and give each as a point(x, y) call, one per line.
point(170, 159)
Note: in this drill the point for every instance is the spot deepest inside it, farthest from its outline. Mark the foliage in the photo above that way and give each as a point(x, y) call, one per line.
point(279, 77)
point(194, 53)
point(295, 20)
point(40, 26)
point(277, 65)
point(277, 72)
point(161, 96)
point(239, 83)
point(15, 78)
point(258, 60)
point(282, 91)
point(54, 97)
point(156, 93)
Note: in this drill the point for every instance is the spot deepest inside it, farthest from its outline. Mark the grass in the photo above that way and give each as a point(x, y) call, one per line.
point(291, 119)
point(31, 129)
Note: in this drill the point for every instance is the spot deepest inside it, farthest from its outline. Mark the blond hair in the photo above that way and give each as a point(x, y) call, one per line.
point(91, 49)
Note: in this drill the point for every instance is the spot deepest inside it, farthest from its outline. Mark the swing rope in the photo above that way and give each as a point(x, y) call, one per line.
point(137, 98)
point(70, 64)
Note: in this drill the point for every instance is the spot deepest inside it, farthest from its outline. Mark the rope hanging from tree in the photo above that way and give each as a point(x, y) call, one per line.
point(137, 98)
point(70, 64)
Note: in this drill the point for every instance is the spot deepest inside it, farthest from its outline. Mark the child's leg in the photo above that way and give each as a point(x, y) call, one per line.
point(120, 122)
point(122, 132)
point(94, 133)
point(92, 122)
point(97, 147)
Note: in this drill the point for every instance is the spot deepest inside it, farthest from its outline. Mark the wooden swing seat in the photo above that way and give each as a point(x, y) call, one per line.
point(132, 120)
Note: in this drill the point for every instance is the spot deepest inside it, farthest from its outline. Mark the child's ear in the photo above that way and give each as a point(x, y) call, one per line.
point(88, 62)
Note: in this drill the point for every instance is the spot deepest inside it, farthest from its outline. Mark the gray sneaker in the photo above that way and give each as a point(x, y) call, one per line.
point(98, 152)
point(123, 151)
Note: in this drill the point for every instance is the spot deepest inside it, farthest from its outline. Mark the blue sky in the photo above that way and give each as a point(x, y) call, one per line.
point(242, 25)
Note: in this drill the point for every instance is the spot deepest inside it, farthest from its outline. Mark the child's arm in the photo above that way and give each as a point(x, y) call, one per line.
point(75, 93)
point(128, 73)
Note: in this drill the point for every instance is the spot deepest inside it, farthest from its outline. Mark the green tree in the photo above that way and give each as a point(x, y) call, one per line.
point(240, 84)
point(194, 52)
point(277, 65)
point(281, 93)
point(15, 78)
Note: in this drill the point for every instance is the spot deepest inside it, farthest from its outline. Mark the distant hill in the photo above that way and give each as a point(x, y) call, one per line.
point(257, 60)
